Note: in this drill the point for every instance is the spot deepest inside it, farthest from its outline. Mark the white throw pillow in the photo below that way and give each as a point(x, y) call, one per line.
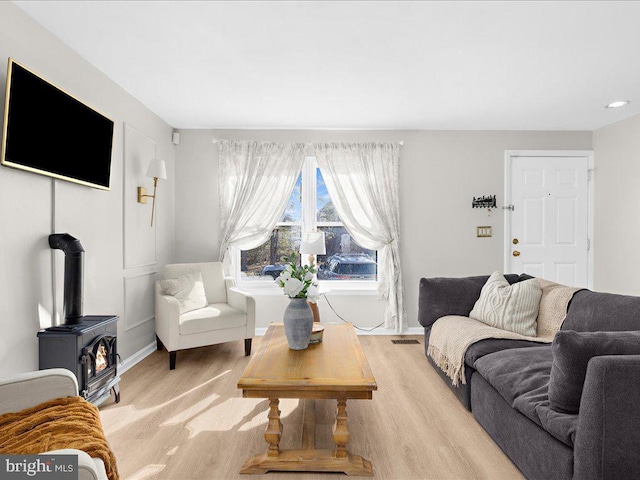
point(509, 307)
point(188, 290)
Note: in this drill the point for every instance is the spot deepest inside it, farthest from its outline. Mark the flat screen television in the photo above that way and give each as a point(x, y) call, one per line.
point(47, 131)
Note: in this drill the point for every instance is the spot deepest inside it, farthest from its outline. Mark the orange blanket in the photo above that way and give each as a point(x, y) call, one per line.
point(70, 422)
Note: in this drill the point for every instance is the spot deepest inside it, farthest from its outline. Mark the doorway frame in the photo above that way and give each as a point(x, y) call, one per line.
point(509, 155)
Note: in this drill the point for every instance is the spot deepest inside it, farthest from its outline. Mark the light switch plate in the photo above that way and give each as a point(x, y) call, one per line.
point(484, 232)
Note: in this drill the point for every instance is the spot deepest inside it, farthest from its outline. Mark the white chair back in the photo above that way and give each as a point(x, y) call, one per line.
point(212, 277)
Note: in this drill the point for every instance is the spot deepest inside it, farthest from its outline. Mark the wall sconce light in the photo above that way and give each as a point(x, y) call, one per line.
point(157, 169)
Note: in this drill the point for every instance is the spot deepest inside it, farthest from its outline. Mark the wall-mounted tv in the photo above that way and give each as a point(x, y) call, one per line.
point(47, 131)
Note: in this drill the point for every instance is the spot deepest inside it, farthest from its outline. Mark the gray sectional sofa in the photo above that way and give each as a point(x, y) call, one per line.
point(508, 384)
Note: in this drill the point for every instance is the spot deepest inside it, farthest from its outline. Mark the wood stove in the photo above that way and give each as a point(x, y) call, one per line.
point(89, 350)
point(84, 344)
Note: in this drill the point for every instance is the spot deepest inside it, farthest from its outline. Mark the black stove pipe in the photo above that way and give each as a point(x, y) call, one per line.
point(73, 275)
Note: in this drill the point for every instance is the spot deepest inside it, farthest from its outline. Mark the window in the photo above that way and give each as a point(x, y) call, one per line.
point(266, 260)
point(310, 206)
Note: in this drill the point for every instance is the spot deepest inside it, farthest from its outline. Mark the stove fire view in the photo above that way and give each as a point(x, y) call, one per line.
point(83, 344)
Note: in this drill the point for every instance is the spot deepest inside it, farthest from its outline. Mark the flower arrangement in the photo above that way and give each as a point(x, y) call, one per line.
point(298, 282)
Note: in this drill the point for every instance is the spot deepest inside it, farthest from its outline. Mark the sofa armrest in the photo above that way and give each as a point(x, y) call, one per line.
point(243, 301)
point(607, 444)
point(167, 316)
point(89, 468)
point(33, 388)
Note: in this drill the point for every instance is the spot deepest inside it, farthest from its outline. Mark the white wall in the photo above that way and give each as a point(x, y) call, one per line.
point(617, 207)
point(34, 206)
point(198, 221)
point(440, 173)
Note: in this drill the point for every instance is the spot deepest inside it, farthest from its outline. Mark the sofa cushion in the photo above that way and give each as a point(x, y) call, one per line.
point(535, 452)
point(216, 316)
point(593, 311)
point(490, 345)
point(187, 289)
point(571, 354)
point(442, 296)
point(521, 376)
point(509, 307)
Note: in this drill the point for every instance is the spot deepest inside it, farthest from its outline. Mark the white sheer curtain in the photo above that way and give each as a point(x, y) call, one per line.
point(255, 182)
point(362, 181)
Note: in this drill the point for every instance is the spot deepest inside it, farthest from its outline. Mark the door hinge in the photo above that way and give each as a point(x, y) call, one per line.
point(511, 208)
point(589, 174)
point(588, 244)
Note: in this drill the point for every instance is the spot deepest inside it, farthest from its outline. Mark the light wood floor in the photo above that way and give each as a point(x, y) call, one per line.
point(192, 423)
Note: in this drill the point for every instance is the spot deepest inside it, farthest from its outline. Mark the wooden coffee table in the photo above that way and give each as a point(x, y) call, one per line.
point(335, 368)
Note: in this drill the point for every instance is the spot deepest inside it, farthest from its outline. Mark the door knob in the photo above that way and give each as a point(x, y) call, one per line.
point(516, 253)
point(515, 241)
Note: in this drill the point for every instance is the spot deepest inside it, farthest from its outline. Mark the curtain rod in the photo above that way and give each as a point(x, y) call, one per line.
point(401, 142)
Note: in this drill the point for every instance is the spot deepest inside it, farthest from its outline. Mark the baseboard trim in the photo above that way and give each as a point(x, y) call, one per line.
point(378, 331)
point(143, 353)
point(390, 331)
point(136, 358)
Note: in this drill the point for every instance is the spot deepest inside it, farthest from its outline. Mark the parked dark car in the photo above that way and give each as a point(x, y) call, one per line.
point(273, 270)
point(348, 266)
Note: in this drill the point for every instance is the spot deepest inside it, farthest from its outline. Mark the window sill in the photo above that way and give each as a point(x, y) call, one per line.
point(350, 287)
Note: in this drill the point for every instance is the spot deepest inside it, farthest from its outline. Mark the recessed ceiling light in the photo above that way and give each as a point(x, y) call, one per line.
point(618, 104)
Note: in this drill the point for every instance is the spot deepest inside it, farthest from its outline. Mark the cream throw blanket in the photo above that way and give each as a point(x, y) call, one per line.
point(452, 335)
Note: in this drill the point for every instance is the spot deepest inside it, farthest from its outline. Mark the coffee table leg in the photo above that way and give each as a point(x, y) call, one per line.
point(340, 430)
point(274, 428)
point(307, 459)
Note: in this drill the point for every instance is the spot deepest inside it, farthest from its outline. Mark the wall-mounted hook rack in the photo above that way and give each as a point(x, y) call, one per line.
point(488, 201)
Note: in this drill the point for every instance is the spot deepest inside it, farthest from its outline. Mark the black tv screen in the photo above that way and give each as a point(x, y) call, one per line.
point(49, 132)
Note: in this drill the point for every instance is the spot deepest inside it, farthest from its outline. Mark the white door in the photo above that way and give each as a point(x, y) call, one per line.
point(548, 231)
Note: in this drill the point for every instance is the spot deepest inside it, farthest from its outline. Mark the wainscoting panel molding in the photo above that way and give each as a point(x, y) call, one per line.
point(139, 236)
point(138, 299)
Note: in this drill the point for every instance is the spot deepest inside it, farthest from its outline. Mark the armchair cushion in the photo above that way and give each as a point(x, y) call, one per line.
point(187, 289)
point(216, 316)
point(212, 276)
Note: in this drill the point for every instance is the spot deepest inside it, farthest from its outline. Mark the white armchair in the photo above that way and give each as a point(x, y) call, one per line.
point(30, 389)
point(230, 314)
